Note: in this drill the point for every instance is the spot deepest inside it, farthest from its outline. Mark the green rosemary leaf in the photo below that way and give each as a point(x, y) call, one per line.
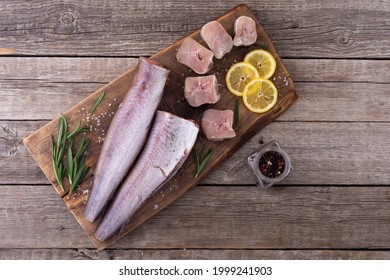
point(97, 102)
point(55, 171)
point(204, 162)
point(202, 152)
point(81, 172)
point(196, 157)
point(261, 46)
point(75, 169)
point(236, 113)
point(84, 173)
point(82, 147)
point(76, 131)
point(53, 150)
point(70, 163)
point(61, 174)
point(60, 130)
point(80, 178)
point(60, 153)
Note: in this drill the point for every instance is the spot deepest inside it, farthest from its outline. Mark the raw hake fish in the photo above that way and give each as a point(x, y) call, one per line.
point(195, 56)
point(245, 31)
point(201, 90)
point(126, 134)
point(217, 125)
point(216, 37)
point(169, 144)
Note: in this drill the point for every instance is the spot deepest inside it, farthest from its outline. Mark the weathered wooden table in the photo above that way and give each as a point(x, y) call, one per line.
point(336, 203)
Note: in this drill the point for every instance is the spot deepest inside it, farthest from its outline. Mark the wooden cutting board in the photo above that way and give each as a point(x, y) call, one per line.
point(39, 143)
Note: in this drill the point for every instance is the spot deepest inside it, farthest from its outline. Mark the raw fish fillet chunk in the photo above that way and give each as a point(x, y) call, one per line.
point(169, 143)
point(201, 90)
point(195, 56)
point(245, 31)
point(216, 37)
point(218, 124)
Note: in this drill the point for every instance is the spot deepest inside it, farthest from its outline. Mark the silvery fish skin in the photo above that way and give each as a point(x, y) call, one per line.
point(127, 134)
point(169, 144)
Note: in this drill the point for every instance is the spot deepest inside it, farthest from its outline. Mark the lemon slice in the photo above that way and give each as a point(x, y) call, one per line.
point(263, 61)
point(260, 95)
point(239, 75)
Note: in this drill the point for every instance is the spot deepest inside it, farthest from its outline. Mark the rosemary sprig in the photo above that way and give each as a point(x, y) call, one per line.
point(58, 151)
point(97, 102)
point(76, 167)
point(76, 131)
point(202, 159)
point(236, 113)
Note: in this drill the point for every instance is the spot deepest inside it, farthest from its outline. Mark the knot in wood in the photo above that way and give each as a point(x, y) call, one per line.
point(67, 18)
point(344, 39)
point(294, 25)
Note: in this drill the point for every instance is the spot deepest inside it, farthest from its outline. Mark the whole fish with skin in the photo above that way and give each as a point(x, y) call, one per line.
point(169, 144)
point(127, 134)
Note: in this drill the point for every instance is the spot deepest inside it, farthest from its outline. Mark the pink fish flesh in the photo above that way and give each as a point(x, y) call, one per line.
point(245, 31)
point(218, 124)
point(201, 90)
point(195, 56)
point(126, 134)
point(216, 37)
point(170, 141)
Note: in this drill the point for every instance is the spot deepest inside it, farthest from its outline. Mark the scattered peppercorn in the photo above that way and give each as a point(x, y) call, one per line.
point(272, 164)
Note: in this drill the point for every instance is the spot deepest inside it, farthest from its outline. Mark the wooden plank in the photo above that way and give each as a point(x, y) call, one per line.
point(102, 69)
point(322, 153)
point(322, 101)
point(16, 164)
point(55, 84)
point(215, 217)
point(204, 254)
point(64, 69)
point(301, 28)
point(173, 102)
point(340, 153)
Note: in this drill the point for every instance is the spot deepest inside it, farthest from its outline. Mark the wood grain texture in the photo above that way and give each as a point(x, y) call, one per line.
point(323, 153)
point(172, 101)
point(102, 69)
point(35, 224)
point(186, 254)
point(215, 217)
point(323, 101)
point(341, 90)
point(16, 163)
point(118, 28)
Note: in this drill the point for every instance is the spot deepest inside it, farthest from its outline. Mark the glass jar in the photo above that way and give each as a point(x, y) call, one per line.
point(261, 162)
